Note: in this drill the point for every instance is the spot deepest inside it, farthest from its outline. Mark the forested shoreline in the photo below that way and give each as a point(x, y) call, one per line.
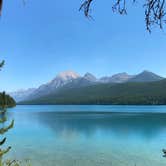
point(6, 100)
point(150, 93)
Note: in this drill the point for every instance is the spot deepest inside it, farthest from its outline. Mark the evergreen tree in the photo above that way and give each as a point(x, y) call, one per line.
point(2, 64)
point(3, 119)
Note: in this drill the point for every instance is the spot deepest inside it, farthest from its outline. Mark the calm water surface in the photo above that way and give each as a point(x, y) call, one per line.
point(88, 135)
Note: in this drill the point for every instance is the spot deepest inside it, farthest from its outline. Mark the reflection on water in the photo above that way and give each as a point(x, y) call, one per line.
point(145, 125)
point(91, 138)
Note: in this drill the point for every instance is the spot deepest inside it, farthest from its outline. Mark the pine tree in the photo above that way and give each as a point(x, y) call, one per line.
point(2, 64)
point(3, 119)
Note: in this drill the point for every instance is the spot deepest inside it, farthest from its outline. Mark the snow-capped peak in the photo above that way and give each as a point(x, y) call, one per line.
point(68, 75)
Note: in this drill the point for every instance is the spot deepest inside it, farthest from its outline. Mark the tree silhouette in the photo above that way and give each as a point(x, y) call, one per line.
point(2, 64)
point(154, 11)
point(1, 2)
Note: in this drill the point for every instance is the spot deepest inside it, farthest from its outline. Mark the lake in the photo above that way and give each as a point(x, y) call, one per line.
point(88, 135)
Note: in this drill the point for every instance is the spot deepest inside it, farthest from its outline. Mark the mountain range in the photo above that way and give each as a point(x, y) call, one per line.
point(69, 81)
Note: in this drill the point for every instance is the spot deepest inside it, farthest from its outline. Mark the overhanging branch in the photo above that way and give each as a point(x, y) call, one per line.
point(154, 11)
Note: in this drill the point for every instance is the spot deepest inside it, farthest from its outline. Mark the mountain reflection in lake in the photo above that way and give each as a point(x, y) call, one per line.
point(89, 138)
point(119, 124)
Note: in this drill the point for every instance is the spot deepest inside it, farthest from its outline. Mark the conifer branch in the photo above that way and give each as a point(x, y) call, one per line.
point(5, 129)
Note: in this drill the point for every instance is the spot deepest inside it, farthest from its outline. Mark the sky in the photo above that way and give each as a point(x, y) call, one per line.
point(40, 39)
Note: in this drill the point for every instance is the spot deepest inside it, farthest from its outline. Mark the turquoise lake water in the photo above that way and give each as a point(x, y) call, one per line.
point(88, 135)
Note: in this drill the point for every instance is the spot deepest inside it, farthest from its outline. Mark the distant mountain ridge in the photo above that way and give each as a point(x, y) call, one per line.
point(59, 81)
point(70, 79)
point(22, 94)
point(145, 76)
point(117, 78)
point(129, 93)
point(90, 77)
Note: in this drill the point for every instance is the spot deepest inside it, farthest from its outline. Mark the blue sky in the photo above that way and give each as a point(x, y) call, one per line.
point(39, 40)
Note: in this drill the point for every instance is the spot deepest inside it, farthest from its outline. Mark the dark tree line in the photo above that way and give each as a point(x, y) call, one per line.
point(6, 100)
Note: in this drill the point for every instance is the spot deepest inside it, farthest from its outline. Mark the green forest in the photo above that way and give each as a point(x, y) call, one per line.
point(151, 93)
point(6, 100)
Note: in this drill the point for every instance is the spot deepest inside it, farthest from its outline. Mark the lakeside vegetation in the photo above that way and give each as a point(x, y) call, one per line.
point(6, 100)
point(151, 93)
